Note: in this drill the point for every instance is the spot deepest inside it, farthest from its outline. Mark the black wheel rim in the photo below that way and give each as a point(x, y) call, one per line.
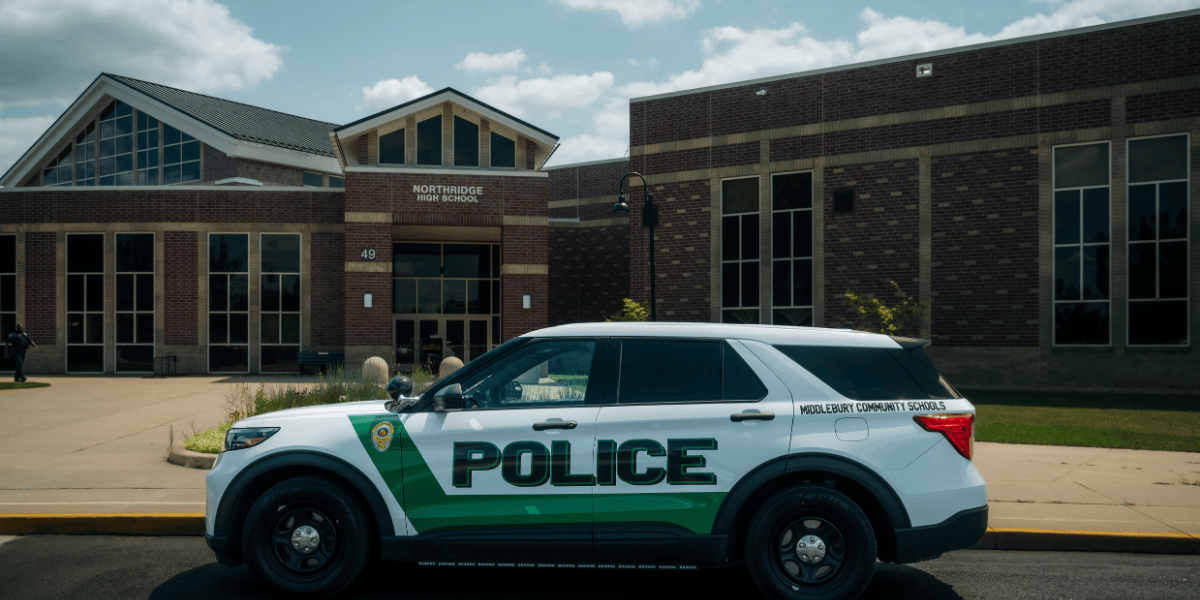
point(797, 558)
point(303, 562)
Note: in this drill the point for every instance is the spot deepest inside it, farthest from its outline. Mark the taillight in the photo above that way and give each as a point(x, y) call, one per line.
point(959, 430)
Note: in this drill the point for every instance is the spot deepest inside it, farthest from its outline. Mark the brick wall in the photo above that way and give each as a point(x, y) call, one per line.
point(218, 166)
point(1180, 104)
point(40, 290)
point(875, 244)
point(682, 247)
point(985, 255)
point(326, 281)
point(219, 205)
point(180, 298)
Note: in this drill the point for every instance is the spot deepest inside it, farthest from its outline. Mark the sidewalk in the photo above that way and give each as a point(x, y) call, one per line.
point(96, 446)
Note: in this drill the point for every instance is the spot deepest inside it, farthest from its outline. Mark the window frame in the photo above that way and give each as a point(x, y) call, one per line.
point(16, 307)
point(162, 159)
point(616, 349)
point(307, 173)
point(1081, 244)
point(100, 139)
point(441, 135)
point(492, 147)
point(812, 258)
point(154, 307)
point(478, 145)
point(208, 311)
point(261, 273)
point(379, 147)
point(156, 151)
point(67, 309)
point(1187, 343)
point(593, 394)
point(721, 236)
point(57, 165)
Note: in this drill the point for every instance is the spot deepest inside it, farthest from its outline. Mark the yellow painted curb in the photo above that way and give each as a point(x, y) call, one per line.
point(1070, 540)
point(102, 523)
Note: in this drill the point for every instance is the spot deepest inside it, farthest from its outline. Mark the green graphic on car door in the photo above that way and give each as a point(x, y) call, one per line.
point(429, 507)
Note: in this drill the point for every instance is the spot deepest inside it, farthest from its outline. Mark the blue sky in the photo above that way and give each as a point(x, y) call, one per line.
point(568, 66)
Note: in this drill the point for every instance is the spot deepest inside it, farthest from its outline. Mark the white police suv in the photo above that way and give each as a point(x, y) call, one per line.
point(806, 452)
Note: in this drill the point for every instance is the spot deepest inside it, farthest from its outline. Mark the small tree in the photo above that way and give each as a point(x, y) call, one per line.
point(632, 312)
point(905, 319)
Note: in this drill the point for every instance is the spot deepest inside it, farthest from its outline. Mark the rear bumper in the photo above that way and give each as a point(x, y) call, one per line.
point(960, 531)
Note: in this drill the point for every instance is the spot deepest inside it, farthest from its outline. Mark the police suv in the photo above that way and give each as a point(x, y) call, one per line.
point(806, 452)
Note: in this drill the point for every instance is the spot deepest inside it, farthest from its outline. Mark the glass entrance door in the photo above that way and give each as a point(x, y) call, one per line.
point(429, 340)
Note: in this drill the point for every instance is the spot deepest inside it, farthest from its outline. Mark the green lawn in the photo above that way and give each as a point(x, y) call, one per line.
point(13, 385)
point(1140, 421)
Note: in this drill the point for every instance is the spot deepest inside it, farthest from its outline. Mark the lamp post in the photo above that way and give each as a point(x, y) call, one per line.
point(649, 216)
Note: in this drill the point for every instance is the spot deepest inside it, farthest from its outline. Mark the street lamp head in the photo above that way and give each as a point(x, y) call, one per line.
point(621, 206)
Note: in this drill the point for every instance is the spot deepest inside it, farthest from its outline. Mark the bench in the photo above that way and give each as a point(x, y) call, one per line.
point(320, 360)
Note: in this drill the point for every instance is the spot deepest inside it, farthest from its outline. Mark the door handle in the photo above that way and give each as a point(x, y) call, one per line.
point(739, 417)
point(544, 425)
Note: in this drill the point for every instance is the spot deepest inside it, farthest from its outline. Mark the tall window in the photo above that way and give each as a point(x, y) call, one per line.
point(116, 144)
point(429, 141)
point(135, 302)
point(181, 156)
point(279, 301)
point(58, 171)
point(85, 303)
point(148, 150)
point(1081, 245)
point(504, 151)
point(466, 143)
point(228, 303)
point(85, 156)
point(391, 148)
point(739, 251)
point(791, 249)
point(8, 292)
point(1158, 240)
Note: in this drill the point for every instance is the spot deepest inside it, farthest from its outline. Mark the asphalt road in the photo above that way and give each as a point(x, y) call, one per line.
point(43, 567)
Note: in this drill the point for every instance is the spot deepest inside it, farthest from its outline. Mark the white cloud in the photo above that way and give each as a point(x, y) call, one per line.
point(484, 62)
point(53, 48)
point(635, 13)
point(18, 134)
point(734, 54)
point(608, 136)
point(545, 97)
point(387, 93)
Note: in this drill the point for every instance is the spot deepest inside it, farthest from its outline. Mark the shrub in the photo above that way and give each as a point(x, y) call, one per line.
point(632, 312)
point(208, 442)
point(905, 319)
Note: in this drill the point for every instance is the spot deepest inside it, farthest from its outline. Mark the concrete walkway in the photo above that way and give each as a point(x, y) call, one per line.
point(99, 445)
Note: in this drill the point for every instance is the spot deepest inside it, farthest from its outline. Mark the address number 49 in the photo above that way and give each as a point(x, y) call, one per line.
point(368, 254)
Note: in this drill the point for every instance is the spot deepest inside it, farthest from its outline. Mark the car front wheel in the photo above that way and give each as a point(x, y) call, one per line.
point(810, 542)
point(307, 536)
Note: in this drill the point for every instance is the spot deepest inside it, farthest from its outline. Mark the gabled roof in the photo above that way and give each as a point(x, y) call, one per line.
point(385, 116)
point(236, 129)
point(242, 121)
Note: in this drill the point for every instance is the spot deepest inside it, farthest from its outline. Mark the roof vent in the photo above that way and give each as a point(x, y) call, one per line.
point(843, 201)
point(925, 70)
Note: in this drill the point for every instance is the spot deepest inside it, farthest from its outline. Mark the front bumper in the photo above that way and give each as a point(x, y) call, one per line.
point(219, 544)
point(960, 531)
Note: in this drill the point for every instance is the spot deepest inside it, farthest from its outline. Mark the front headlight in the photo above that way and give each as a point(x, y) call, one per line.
point(236, 439)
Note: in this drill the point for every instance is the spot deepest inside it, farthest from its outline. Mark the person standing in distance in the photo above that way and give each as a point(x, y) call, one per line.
point(17, 343)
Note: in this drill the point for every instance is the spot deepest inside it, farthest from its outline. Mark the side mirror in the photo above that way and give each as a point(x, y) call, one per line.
point(448, 399)
point(399, 387)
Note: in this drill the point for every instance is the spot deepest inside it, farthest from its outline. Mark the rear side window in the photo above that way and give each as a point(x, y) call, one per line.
point(917, 363)
point(857, 373)
point(684, 371)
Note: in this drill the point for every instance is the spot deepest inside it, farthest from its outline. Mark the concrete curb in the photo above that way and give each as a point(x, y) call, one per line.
point(102, 523)
point(1087, 541)
point(186, 458)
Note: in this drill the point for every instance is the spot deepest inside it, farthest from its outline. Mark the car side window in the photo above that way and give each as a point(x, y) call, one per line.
point(684, 371)
point(857, 373)
point(545, 373)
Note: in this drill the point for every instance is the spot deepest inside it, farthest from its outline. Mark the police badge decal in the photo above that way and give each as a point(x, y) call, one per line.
point(381, 435)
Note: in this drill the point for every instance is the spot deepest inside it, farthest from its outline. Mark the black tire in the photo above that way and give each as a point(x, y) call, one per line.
point(786, 571)
point(342, 545)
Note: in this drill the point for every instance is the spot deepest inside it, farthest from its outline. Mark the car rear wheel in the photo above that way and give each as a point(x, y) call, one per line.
point(810, 542)
point(307, 536)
